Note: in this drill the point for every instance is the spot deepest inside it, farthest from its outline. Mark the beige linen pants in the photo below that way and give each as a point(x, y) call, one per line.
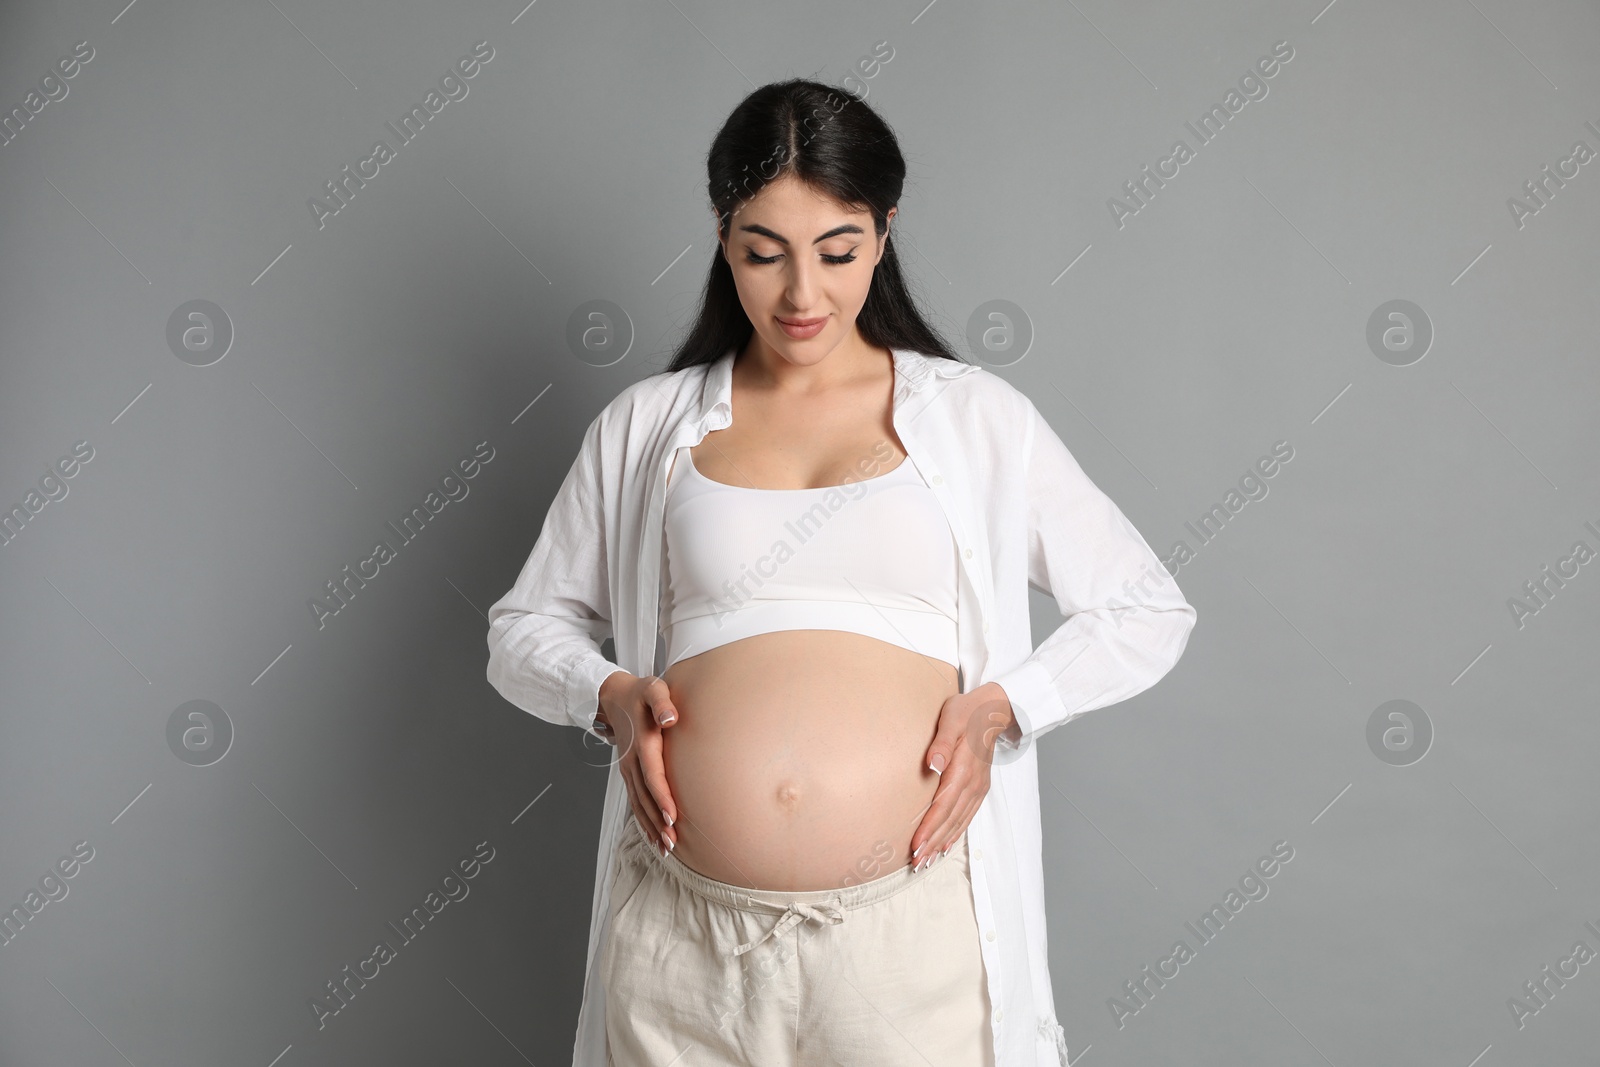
point(700, 973)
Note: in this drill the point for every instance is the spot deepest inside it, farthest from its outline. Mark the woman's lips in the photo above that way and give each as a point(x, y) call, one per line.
point(800, 329)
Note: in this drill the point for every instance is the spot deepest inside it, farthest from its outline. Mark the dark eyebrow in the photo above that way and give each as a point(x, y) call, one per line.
point(848, 227)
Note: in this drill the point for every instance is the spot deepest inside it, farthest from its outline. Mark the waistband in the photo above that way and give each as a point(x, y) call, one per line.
point(818, 905)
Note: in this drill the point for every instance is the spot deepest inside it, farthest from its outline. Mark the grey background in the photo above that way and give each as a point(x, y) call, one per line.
point(370, 355)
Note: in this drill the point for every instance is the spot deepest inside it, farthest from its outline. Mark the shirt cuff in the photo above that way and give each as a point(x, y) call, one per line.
point(583, 689)
point(1034, 702)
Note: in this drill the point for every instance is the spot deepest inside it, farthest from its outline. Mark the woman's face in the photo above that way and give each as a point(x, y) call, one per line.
point(803, 264)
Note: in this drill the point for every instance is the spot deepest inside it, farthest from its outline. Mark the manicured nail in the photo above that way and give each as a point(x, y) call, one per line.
point(671, 844)
point(668, 720)
point(936, 764)
point(918, 849)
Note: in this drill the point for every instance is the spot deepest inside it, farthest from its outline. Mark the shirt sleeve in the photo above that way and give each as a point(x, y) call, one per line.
point(1125, 621)
point(545, 633)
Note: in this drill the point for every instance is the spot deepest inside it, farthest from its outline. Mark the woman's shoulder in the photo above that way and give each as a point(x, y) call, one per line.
point(653, 396)
point(981, 393)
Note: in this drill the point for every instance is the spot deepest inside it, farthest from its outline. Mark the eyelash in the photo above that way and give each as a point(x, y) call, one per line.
point(751, 257)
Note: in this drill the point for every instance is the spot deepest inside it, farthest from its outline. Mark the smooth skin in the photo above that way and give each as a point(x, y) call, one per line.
point(803, 277)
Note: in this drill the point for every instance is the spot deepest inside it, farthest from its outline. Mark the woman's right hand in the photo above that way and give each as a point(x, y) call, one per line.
point(635, 711)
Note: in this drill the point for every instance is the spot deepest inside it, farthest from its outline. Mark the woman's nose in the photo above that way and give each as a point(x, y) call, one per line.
point(802, 287)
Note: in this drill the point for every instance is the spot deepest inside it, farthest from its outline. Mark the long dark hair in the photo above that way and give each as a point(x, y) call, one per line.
point(835, 143)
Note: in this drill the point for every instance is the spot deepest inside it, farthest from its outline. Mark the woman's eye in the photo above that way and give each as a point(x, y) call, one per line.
point(751, 257)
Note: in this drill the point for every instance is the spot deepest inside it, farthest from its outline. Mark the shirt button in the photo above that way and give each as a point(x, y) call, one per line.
point(977, 853)
point(937, 479)
point(999, 1015)
point(985, 627)
point(967, 552)
point(990, 935)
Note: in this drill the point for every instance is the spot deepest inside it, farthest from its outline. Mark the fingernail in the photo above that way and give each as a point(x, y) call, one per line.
point(668, 720)
point(671, 844)
point(918, 849)
point(667, 817)
point(936, 764)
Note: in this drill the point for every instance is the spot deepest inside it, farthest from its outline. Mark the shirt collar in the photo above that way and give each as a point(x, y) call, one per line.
point(912, 372)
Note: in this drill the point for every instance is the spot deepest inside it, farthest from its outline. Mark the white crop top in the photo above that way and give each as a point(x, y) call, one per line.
point(874, 556)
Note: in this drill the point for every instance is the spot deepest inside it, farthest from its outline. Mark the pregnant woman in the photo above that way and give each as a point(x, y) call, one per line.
point(811, 539)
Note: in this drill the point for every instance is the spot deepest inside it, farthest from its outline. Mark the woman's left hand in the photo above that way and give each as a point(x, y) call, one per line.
point(962, 751)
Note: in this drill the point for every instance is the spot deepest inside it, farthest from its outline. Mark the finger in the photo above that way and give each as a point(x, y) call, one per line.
point(944, 799)
point(946, 833)
point(653, 767)
point(933, 844)
point(638, 764)
point(639, 816)
point(963, 823)
point(966, 785)
point(975, 800)
point(641, 794)
point(662, 710)
point(637, 805)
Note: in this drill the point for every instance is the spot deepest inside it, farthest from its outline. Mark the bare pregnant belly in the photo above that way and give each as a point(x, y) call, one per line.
point(797, 761)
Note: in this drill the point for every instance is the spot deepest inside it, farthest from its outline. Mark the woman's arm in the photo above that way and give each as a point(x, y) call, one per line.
point(545, 633)
point(1126, 622)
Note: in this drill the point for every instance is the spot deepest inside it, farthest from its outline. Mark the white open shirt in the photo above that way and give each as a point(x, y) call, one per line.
point(1022, 511)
